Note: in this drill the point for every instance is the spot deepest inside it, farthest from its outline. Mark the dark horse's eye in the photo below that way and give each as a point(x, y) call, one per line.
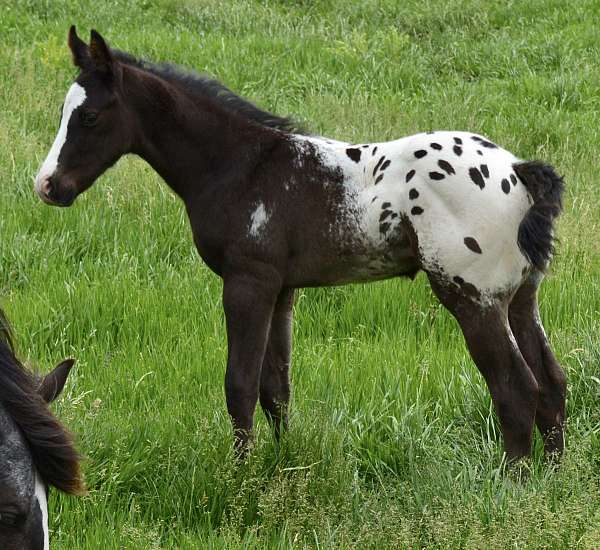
point(88, 118)
point(10, 519)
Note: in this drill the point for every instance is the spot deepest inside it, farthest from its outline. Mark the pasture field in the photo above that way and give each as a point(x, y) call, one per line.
point(393, 442)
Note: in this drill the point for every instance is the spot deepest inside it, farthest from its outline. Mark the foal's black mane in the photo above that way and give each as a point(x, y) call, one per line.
point(51, 446)
point(204, 86)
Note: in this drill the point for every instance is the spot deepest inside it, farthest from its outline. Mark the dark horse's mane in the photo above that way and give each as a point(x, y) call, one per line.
point(51, 446)
point(206, 87)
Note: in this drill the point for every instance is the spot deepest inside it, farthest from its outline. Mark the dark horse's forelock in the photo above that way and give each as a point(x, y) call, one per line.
point(206, 87)
point(51, 446)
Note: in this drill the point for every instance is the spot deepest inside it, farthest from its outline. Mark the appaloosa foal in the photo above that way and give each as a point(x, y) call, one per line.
point(272, 210)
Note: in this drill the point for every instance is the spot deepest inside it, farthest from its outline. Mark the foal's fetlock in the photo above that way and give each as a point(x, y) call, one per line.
point(243, 442)
point(554, 444)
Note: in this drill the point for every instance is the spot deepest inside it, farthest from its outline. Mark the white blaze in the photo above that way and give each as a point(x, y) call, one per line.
point(75, 97)
point(40, 494)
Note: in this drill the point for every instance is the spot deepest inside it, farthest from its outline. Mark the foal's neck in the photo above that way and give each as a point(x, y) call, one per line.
point(189, 140)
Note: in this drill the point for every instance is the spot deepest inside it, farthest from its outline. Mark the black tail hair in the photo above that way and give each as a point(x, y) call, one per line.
point(536, 231)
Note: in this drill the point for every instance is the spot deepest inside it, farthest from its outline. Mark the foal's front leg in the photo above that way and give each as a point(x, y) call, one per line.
point(248, 303)
point(274, 377)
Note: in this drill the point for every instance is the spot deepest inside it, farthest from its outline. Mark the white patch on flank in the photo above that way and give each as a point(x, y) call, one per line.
point(75, 97)
point(258, 220)
point(40, 494)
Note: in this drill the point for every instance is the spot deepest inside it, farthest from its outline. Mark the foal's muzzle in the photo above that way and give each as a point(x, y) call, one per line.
point(49, 190)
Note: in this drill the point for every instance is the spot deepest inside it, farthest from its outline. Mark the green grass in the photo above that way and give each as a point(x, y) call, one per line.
point(393, 443)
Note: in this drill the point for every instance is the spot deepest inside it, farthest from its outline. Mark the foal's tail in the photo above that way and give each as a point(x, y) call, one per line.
point(536, 231)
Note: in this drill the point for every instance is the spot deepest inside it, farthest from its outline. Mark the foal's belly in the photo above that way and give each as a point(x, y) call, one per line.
point(352, 262)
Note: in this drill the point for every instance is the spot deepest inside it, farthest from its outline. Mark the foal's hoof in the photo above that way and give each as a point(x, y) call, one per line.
point(243, 447)
point(519, 469)
point(554, 457)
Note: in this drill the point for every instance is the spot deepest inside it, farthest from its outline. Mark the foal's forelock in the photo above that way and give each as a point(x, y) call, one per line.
point(74, 99)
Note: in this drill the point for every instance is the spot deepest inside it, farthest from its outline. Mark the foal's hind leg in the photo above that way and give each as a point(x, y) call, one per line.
point(526, 326)
point(512, 385)
point(274, 378)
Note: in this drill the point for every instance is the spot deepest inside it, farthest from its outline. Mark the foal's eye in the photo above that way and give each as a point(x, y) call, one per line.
point(9, 519)
point(88, 118)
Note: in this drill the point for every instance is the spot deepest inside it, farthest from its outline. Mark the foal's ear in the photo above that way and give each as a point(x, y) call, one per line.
point(79, 49)
point(54, 382)
point(100, 53)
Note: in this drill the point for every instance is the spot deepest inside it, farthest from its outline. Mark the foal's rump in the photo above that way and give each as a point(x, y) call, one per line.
point(454, 204)
point(482, 218)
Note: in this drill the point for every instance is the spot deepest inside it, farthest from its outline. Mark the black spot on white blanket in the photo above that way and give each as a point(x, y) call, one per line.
point(446, 167)
point(384, 215)
point(381, 159)
point(416, 211)
point(477, 178)
point(420, 153)
point(435, 146)
point(413, 194)
point(472, 244)
point(457, 150)
point(466, 287)
point(410, 175)
point(436, 176)
point(505, 186)
point(484, 142)
point(485, 170)
point(353, 153)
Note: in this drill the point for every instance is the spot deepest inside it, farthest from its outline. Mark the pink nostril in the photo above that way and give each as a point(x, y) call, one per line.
point(47, 186)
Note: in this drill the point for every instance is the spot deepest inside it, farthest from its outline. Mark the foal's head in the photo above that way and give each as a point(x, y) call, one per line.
point(35, 450)
point(95, 126)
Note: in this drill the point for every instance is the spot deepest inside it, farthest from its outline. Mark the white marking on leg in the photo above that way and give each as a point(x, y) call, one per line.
point(258, 220)
point(40, 494)
point(75, 97)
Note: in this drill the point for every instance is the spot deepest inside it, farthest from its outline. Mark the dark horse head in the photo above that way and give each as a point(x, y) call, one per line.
point(35, 450)
point(94, 130)
point(114, 107)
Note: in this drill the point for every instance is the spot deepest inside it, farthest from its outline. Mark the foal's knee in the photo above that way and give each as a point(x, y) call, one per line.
point(274, 393)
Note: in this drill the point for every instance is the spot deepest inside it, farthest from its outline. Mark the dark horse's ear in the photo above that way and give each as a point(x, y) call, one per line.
point(53, 383)
point(79, 50)
point(102, 59)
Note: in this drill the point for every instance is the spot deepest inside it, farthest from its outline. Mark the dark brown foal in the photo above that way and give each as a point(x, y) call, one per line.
point(272, 210)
